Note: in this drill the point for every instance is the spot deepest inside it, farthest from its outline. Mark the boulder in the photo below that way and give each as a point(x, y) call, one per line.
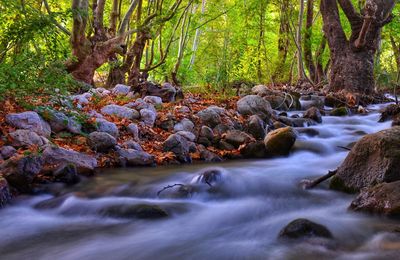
point(278, 101)
point(101, 141)
point(279, 142)
point(120, 111)
point(7, 152)
point(256, 127)
point(167, 93)
point(381, 199)
point(84, 163)
point(121, 89)
point(254, 105)
point(140, 104)
point(148, 117)
point(29, 121)
point(374, 159)
point(237, 138)
point(105, 126)
point(141, 211)
point(179, 146)
point(209, 156)
point(254, 150)
point(314, 114)
point(58, 121)
point(66, 173)
point(206, 132)
point(130, 157)
point(26, 138)
point(153, 100)
point(390, 112)
point(133, 129)
point(209, 117)
point(184, 125)
point(5, 194)
point(304, 228)
point(82, 99)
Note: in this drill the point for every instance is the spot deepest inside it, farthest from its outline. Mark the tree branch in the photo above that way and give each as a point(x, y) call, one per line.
point(59, 26)
point(127, 17)
point(352, 15)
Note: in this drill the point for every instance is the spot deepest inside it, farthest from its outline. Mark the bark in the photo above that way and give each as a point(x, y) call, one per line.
point(352, 60)
point(300, 65)
point(308, 57)
point(283, 42)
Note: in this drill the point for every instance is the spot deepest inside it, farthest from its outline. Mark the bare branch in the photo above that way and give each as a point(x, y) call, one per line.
point(127, 17)
point(59, 26)
point(352, 15)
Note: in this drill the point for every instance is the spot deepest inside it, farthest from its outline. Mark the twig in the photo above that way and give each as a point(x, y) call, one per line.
point(345, 148)
point(169, 187)
point(308, 184)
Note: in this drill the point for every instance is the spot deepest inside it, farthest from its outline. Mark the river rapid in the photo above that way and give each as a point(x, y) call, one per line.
point(238, 217)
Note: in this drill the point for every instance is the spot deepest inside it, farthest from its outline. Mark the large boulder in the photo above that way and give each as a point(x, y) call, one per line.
point(209, 117)
point(26, 138)
point(101, 141)
point(254, 105)
point(105, 126)
point(304, 228)
point(30, 121)
point(120, 111)
point(374, 159)
point(314, 114)
point(382, 199)
point(237, 138)
point(279, 142)
point(84, 163)
point(180, 146)
point(131, 157)
point(5, 194)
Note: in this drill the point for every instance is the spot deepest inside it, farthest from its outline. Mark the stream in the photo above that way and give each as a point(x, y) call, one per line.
point(239, 216)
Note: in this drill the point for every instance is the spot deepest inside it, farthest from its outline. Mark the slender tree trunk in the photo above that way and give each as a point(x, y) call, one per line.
point(300, 65)
point(197, 37)
point(283, 42)
point(308, 57)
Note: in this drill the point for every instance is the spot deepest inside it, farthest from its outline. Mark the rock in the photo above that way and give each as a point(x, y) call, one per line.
point(148, 117)
point(188, 135)
point(58, 121)
point(209, 156)
point(254, 150)
point(29, 121)
point(206, 132)
point(167, 93)
point(153, 100)
point(105, 126)
point(133, 129)
point(140, 104)
point(210, 176)
point(7, 152)
point(261, 90)
point(84, 163)
point(66, 173)
point(373, 159)
point(382, 199)
point(74, 126)
point(209, 117)
point(141, 211)
point(132, 145)
point(101, 141)
point(130, 157)
point(221, 129)
point(341, 111)
point(184, 125)
point(5, 194)
point(278, 101)
point(302, 122)
point(304, 228)
point(237, 138)
point(167, 124)
point(390, 112)
point(182, 109)
point(254, 105)
point(121, 89)
point(82, 99)
point(120, 111)
point(256, 127)
point(224, 145)
point(280, 141)
point(26, 138)
point(314, 114)
point(311, 132)
point(204, 141)
point(179, 146)
point(309, 101)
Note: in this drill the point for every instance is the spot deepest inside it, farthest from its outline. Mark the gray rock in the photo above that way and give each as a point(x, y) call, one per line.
point(279, 142)
point(254, 105)
point(167, 93)
point(29, 121)
point(209, 117)
point(58, 121)
point(74, 126)
point(153, 100)
point(103, 125)
point(5, 194)
point(237, 138)
point(179, 146)
point(304, 228)
point(184, 125)
point(84, 163)
point(209, 156)
point(121, 89)
point(120, 111)
point(256, 127)
point(260, 90)
point(224, 145)
point(188, 135)
point(141, 211)
point(182, 109)
point(148, 117)
point(133, 129)
point(82, 99)
point(26, 138)
point(67, 173)
point(7, 152)
point(314, 114)
point(130, 157)
point(140, 104)
point(221, 129)
point(206, 132)
point(130, 144)
point(312, 101)
point(254, 150)
point(101, 141)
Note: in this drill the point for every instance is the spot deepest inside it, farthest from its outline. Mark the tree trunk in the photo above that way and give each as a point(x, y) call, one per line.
point(308, 57)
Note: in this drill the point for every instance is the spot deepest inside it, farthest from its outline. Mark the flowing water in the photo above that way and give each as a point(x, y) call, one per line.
point(238, 217)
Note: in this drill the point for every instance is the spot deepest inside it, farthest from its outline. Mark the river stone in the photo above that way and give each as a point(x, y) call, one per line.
point(141, 211)
point(256, 127)
point(279, 142)
point(254, 105)
point(101, 141)
point(373, 159)
point(210, 117)
point(237, 138)
point(382, 199)
point(206, 132)
point(341, 111)
point(314, 114)
point(67, 174)
point(184, 125)
point(254, 150)
point(309, 101)
point(130, 157)
point(29, 121)
point(260, 90)
point(58, 121)
point(120, 111)
point(148, 116)
point(5, 194)
point(224, 145)
point(105, 126)
point(209, 156)
point(304, 228)
point(84, 163)
point(133, 129)
point(26, 138)
point(179, 146)
point(390, 112)
point(130, 144)
point(7, 152)
point(153, 100)
point(121, 89)
point(188, 135)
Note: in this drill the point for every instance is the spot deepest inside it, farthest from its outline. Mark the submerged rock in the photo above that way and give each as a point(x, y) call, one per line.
point(29, 121)
point(279, 142)
point(304, 228)
point(141, 211)
point(373, 159)
point(341, 111)
point(254, 105)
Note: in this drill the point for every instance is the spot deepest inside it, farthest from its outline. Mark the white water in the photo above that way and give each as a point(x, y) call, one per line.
point(239, 218)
